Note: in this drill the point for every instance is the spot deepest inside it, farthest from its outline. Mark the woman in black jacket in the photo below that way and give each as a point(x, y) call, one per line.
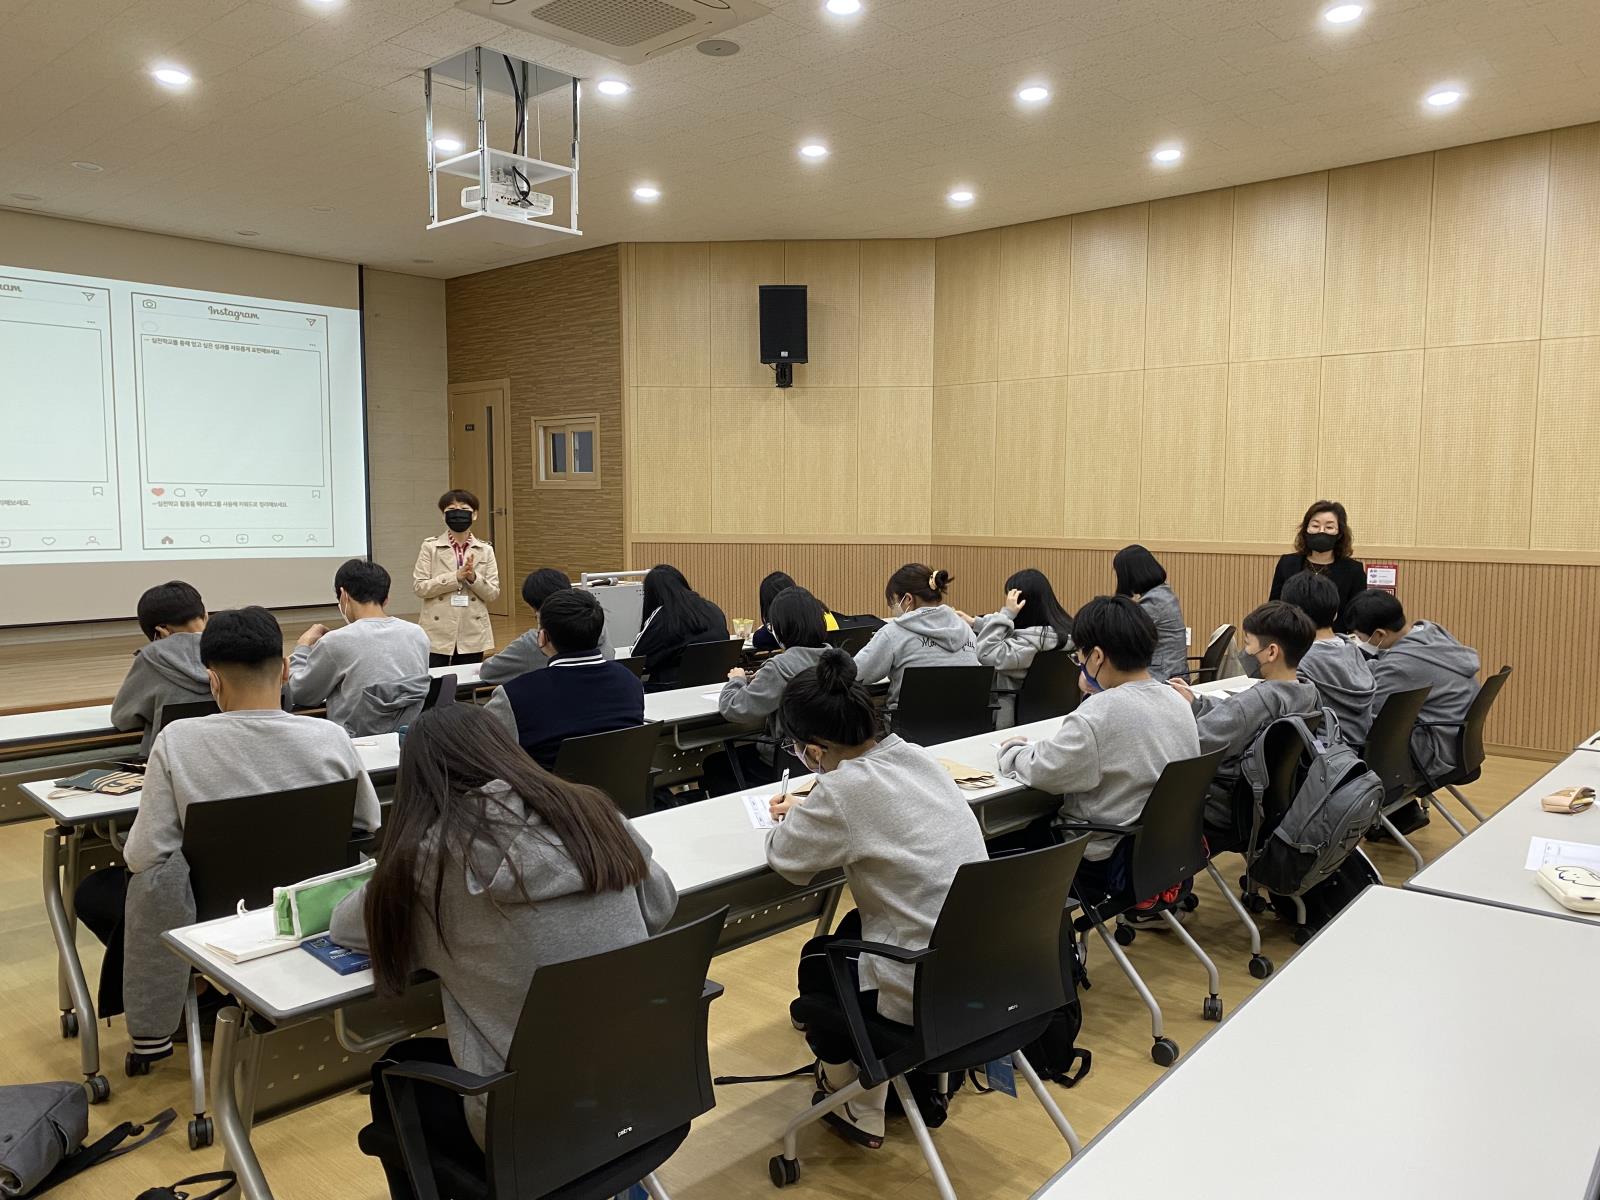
point(1322, 547)
point(675, 616)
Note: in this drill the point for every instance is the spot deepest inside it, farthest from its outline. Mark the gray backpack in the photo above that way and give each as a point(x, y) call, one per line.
point(1335, 804)
point(42, 1127)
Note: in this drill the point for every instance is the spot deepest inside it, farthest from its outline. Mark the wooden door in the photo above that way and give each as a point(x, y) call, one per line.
point(480, 462)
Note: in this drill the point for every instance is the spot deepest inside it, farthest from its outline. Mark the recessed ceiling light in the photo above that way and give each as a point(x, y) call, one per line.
point(844, 8)
point(613, 87)
point(25, 197)
point(1167, 155)
point(961, 196)
point(1444, 97)
point(248, 232)
point(172, 77)
point(718, 47)
point(646, 191)
point(1343, 14)
point(814, 150)
point(91, 167)
point(447, 145)
point(1033, 94)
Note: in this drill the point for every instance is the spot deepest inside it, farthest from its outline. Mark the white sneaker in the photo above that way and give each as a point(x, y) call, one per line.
point(860, 1120)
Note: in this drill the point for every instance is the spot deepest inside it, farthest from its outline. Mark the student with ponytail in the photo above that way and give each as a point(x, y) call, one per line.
point(889, 815)
point(923, 631)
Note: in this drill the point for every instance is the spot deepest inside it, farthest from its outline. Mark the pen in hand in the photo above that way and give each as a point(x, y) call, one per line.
point(785, 789)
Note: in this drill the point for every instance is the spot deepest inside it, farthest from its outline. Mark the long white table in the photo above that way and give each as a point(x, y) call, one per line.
point(1409, 1050)
point(1488, 865)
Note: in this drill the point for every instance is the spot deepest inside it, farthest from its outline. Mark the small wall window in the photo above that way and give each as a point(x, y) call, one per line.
point(569, 451)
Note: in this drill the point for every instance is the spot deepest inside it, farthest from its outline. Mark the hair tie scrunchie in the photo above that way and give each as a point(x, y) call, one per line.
point(933, 582)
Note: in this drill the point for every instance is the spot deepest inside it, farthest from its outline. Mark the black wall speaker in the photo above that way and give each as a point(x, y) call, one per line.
point(783, 327)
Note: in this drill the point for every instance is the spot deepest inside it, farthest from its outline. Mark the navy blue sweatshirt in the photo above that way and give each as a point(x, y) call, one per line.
point(577, 694)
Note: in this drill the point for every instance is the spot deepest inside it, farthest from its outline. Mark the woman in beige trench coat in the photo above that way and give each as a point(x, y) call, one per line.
point(457, 578)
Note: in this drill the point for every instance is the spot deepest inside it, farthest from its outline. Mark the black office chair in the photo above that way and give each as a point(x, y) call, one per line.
point(619, 763)
point(708, 662)
point(941, 704)
point(1168, 847)
point(850, 639)
point(240, 849)
point(1208, 666)
point(1388, 753)
point(634, 664)
point(168, 713)
point(1470, 752)
point(441, 690)
point(984, 989)
point(1049, 689)
point(607, 1069)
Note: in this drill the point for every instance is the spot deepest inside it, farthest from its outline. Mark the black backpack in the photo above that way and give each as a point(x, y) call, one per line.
point(1328, 898)
point(1055, 1053)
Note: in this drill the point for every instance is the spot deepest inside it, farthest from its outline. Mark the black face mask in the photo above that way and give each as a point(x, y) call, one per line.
point(459, 519)
point(1250, 664)
point(1321, 543)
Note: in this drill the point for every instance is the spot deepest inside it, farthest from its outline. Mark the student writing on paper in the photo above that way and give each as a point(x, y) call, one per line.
point(923, 631)
point(886, 812)
point(525, 654)
point(1341, 671)
point(493, 867)
point(675, 616)
point(251, 748)
point(168, 670)
point(1029, 623)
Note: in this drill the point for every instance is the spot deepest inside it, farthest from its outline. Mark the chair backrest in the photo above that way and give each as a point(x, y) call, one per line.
point(1472, 752)
point(1216, 651)
point(1049, 689)
point(941, 704)
point(634, 664)
point(850, 639)
point(709, 662)
point(1283, 750)
point(990, 972)
point(618, 763)
point(1388, 748)
point(609, 1054)
point(441, 690)
point(168, 713)
point(243, 847)
point(1170, 844)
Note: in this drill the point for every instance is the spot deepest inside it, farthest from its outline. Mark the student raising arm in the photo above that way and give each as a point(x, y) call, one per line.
point(1030, 622)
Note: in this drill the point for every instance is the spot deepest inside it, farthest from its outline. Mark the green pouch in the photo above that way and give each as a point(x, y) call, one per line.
point(305, 909)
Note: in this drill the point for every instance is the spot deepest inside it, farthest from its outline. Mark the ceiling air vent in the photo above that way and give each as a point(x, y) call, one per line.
point(626, 31)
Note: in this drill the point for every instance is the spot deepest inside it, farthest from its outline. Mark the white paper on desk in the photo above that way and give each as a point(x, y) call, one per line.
point(760, 812)
point(1544, 852)
point(717, 695)
point(248, 936)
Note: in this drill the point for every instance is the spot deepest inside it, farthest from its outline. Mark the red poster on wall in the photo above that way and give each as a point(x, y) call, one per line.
point(1382, 576)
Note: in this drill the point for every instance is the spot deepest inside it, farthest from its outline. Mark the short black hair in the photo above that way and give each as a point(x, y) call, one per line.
point(771, 586)
point(540, 585)
point(1375, 609)
point(458, 496)
point(171, 603)
point(1314, 595)
point(1137, 571)
point(363, 581)
point(1119, 627)
point(573, 620)
point(795, 618)
point(242, 637)
point(1281, 622)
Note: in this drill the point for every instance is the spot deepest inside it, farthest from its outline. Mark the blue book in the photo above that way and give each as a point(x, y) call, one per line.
point(341, 959)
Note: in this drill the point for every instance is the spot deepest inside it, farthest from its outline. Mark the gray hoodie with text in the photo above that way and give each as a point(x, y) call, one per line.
point(924, 637)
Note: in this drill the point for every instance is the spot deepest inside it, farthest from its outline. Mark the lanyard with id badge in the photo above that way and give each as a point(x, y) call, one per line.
point(459, 598)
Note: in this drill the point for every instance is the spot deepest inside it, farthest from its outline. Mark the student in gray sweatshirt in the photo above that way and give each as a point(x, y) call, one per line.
point(795, 620)
point(1111, 749)
point(251, 748)
point(923, 631)
point(1340, 670)
point(1031, 622)
point(1276, 637)
point(524, 654)
point(1144, 579)
point(336, 667)
point(494, 868)
point(886, 812)
point(168, 670)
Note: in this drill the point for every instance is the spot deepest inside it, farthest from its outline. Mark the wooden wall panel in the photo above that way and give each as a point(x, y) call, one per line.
point(822, 495)
point(896, 313)
point(895, 461)
point(1183, 446)
point(1104, 411)
point(1572, 248)
point(1487, 267)
point(1272, 448)
point(1108, 289)
point(1476, 460)
point(1279, 232)
point(1191, 264)
point(669, 452)
point(746, 497)
point(1377, 262)
point(1030, 457)
point(831, 272)
point(966, 307)
point(1371, 416)
point(1564, 509)
point(964, 423)
point(1035, 298)
point(671, 315)
point(738, 269)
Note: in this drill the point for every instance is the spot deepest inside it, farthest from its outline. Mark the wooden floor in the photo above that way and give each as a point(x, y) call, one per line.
point(992, 1145)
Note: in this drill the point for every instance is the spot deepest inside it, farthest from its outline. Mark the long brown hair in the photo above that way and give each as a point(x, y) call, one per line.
point(441, 810)
point(1342, 549)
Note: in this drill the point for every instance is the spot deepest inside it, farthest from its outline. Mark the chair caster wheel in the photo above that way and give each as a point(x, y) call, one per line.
point(69, 1024)
point(201, 1133)
point(1260, 966)
point(1300, 935)
point(1124, 934)
point(1211, 1008)
point(1189, 903)
point(135, 1064)
point(784, 1171)
point(1254, 902)
point(99, 1088)
point(1164, 1052)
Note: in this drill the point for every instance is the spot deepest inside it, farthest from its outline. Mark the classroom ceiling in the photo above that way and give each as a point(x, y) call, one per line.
point(304, 120)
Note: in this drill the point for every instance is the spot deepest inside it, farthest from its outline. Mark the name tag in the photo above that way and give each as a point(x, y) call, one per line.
point(460, 600)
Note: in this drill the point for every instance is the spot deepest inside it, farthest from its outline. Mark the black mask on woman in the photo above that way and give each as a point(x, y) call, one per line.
point(459, 519)
point(1321, 543)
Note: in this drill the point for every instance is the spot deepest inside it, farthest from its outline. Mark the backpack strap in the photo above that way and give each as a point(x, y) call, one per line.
point(108, 1147)
point(224, 1180)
